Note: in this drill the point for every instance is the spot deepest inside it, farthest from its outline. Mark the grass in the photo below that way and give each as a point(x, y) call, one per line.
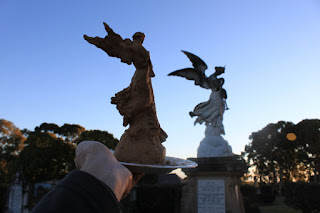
point(278, 206)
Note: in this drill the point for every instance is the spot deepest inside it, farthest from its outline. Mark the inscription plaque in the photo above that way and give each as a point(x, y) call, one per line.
point(211, 196)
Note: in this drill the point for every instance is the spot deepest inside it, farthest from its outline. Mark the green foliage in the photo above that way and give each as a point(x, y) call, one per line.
point(96, 135)
point(11, 143)
point(276, 158)
point(69, 132)
point(47, 153)
point(46, 157)
point(308, 137)
point(11, 139)
point(48, 127)
point(271, 153)
point(44, 154)
point(304, 196)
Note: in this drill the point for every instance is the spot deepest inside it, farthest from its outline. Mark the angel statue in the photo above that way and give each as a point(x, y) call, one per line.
point(209, 112)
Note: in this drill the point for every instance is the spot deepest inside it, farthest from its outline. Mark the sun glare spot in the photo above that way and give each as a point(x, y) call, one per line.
point(291, 137)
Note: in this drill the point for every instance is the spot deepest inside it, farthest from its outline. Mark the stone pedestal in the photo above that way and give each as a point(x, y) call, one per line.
point(213, 187)
point(213, 144)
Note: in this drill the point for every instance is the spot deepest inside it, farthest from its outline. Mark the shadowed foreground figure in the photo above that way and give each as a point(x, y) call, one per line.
point(97, 187)
point(141, 142)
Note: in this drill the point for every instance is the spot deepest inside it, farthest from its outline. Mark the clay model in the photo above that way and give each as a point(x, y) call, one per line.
point(209, 112)
point(142, 141)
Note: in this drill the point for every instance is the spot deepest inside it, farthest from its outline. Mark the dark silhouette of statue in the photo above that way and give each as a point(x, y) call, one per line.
point(141, 142)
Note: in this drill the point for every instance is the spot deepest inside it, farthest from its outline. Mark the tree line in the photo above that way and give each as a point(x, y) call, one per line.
point(285, 152)
point(44, 154)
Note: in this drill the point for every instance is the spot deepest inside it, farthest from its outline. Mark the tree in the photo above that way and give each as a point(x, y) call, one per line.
point(49, 150)
point(308, 136)
point(69, 132)
point(11, 143)
point(11, 139)
point(274, 157)
point(46, 157)
point(97, 135)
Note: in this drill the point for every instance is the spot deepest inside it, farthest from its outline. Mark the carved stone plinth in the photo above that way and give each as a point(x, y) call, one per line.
point(213, 144)
point(213, 186)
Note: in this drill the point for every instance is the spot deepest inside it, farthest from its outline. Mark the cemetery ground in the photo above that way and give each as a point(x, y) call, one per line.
point(278, 206)
point(298, 197)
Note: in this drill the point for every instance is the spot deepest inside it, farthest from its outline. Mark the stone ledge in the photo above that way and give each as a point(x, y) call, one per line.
point(219, 164)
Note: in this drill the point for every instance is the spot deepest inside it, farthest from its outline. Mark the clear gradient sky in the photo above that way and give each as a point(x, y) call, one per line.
point(271, 50)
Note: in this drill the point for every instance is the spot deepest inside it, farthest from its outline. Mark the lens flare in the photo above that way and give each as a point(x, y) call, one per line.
point(291, 137)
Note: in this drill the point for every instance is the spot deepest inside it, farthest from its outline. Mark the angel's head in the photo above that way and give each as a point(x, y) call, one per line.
point(138, 37)
point(219, 70)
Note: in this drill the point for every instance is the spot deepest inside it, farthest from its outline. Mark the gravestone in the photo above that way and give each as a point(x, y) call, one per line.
point(18, 196)
point(213, 186)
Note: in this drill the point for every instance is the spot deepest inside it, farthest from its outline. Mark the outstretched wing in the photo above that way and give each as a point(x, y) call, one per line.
point(197, 63)
point(192, 74)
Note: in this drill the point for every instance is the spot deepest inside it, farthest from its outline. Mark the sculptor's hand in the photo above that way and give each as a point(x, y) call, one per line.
point(96, 159)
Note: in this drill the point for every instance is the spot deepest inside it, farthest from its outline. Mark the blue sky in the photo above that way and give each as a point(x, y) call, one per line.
point(270, 48)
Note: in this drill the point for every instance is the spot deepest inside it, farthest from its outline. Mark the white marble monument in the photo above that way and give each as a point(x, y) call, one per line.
point(209, 112)
point(213, 186)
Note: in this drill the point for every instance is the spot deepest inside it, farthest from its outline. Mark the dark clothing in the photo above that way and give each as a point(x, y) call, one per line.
point(79, 192)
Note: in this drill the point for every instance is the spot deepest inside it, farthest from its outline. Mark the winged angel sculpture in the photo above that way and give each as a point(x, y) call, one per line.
point(211, 111)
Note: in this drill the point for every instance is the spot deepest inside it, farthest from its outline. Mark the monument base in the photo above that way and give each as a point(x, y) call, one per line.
point(214, 146)
point(214, 186)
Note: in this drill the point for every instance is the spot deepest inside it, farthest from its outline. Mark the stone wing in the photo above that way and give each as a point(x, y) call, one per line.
point(192, 74)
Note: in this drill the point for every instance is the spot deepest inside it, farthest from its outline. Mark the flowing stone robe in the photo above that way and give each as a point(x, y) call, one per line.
point(211, 111)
